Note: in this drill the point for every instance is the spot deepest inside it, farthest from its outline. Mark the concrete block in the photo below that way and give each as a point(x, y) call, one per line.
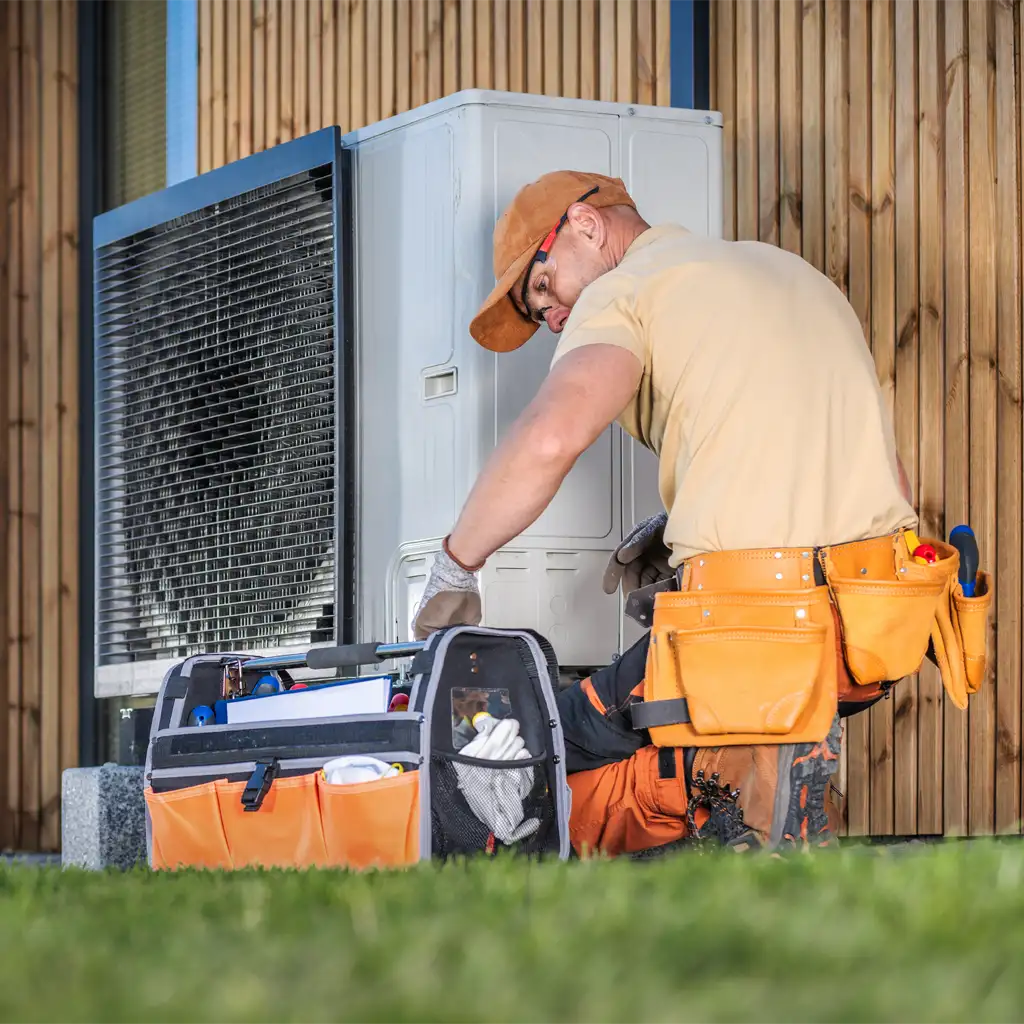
point(103, 817)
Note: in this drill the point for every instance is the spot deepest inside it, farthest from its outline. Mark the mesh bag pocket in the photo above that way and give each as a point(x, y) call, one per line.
point(474, 806)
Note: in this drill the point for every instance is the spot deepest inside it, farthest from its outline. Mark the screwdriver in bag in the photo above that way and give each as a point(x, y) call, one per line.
point(963, 539)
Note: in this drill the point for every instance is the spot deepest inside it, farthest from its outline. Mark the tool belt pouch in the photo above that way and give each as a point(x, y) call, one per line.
point(960, 637)
point(739, 667)
point(891, 608)
point(887, 604)
point(233, 796)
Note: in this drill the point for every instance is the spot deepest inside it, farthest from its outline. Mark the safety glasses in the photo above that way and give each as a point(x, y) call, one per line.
point(541, 256)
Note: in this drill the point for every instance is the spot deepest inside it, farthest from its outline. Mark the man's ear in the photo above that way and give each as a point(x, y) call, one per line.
point(587, 222)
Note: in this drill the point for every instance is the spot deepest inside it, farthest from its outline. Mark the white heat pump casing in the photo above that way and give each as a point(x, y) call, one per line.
point(428, 187)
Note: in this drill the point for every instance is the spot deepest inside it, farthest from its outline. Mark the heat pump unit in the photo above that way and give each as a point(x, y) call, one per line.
point(290, 410)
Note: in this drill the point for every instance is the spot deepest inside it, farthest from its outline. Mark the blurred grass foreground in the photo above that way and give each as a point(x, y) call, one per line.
point(921, 934)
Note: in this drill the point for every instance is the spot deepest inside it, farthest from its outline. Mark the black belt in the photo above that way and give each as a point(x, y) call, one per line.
point(640, 603)
point(654, 713)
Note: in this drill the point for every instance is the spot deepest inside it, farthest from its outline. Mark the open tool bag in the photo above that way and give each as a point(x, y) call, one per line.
point(763, 646)
point(475, 763)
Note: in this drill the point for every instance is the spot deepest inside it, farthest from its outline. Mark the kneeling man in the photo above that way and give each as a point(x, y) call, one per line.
point(746, 372)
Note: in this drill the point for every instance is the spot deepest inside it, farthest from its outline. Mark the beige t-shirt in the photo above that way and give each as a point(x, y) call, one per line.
point(759, 395)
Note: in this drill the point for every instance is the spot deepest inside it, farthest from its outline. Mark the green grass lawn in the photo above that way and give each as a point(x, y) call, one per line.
point(934, 933)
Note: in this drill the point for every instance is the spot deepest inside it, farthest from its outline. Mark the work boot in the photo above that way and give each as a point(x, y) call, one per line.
point(714, 816)
point(782, 788)
point(802, 799)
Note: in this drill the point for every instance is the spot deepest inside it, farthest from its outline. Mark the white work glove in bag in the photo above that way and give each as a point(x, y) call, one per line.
point(356, 768)
point(496, 795)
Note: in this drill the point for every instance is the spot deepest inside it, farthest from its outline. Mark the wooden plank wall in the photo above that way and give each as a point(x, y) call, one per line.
point(38, 409)
point(273, 70)
point(884, 142)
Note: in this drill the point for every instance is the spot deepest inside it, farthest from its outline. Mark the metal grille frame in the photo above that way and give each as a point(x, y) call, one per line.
point(234, 607)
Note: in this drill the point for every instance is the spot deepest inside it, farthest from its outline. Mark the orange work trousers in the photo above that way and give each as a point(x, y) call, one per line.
point(627, 795)
point(630, 805)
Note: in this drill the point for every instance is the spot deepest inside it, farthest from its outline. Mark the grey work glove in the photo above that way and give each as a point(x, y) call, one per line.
point(641, 559)
point(451, 597)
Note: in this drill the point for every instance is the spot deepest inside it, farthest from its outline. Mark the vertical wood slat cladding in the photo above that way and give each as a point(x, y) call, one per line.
point(883, 140)
point(39, 413)
point(273, 69)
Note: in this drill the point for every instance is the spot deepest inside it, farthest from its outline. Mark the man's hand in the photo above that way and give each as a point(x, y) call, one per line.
point(451, 598)
point(641, 559)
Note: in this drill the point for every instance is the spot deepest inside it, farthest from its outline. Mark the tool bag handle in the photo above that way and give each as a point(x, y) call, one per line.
point(358, 654)
point(337, 657)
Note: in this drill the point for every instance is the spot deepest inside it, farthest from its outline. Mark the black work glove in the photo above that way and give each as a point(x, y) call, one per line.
point(641, 559)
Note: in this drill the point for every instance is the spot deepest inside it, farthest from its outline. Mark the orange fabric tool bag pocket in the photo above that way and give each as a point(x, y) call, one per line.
point(187, 828)
point(887, 605)
point(371, 824)
point(970, 617)
point(753, 667)
point(283, 831)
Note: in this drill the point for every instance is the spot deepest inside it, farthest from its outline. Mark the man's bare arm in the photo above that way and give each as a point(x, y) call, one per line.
point(581, 397)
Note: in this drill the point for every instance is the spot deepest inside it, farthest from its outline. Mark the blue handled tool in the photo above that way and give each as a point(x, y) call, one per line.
point(963, 539)
point(201, 715)
point(266, 686)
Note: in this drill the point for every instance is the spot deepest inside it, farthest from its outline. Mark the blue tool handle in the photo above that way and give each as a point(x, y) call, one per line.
point(266, 686)
point(201, 715)
point(963, 539)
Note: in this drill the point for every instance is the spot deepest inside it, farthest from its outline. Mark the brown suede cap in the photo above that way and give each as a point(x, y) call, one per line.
point(519, 233)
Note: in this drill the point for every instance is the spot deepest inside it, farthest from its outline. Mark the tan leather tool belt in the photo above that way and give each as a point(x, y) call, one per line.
point(744, 647)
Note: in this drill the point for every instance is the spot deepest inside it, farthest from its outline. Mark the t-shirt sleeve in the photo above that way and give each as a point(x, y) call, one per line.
point(604, 315)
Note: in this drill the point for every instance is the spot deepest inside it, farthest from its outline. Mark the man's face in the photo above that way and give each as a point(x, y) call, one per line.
point(574, 260)
point(466, 703)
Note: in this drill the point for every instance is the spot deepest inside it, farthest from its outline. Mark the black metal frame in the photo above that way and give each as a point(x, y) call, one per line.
point(91, 128)
point(701, 54)
point(314, 150)
point(690, 53)
point(344, 411)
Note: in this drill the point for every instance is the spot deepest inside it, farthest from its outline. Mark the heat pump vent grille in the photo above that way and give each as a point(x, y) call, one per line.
point(216, 451)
